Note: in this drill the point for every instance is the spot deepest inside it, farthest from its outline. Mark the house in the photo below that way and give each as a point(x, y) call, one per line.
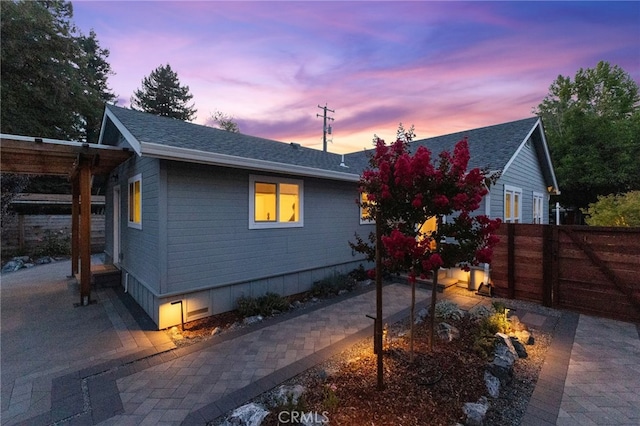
point(199, 216)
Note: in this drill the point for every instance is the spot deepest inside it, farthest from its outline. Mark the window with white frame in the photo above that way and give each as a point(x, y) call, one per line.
point(275, 202)
point(538, 203)
point(135, 202)
point(512, 204)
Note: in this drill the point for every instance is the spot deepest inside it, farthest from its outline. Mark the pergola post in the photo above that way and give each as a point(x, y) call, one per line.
point(85, 231)
point(75, 225)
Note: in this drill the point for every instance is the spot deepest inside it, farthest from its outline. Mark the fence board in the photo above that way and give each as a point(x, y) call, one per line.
point(27, 233)
point(590, 269)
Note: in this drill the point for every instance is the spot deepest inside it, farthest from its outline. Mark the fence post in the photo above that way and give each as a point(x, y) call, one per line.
point(511, 260)
point(550, 266)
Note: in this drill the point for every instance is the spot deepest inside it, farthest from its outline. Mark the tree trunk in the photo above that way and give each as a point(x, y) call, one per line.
point(412, 316)
point(432, 323)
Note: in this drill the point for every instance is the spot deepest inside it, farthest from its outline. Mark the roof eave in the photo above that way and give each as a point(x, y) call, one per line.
point(166, 152)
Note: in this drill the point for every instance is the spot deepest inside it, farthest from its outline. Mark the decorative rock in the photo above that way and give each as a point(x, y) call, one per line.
point(12, 266)
point(252, 320)
point(421, 315)
point(502, 364)
point(296, 304)
point(247, 415)
point(503, 338)
point(288, 395)
point(476, 411)
point(447, 332)
point(493, 384)
point(364, 283)
point(519, 347)
point(314, 300)
point(516, 325)
point(28, 265)
point(525, 337)
point(43, 260)
point(343, 291)
point(215, 331)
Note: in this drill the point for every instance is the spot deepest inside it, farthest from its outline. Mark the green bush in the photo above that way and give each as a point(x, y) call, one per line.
point(264, 305)
point(54, 244)
point(332, 285)
point(448, 310)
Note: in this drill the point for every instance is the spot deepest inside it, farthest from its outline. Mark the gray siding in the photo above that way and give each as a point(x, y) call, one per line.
point(209, 243)
point(140, 247)
point(524, 173)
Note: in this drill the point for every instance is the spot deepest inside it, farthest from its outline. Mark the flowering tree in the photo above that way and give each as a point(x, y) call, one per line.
point(404, 190)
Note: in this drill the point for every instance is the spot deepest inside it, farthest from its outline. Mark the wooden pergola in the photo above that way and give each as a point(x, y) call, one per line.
point(79, 162)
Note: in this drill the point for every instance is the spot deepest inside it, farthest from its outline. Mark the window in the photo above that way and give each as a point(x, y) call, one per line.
point(135, 202)
point(365, 215)
point(512, 202)
point(537, 207)
point(275, 202)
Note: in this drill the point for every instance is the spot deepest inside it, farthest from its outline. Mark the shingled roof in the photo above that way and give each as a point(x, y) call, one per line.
point(490, 147)
point(150, 134)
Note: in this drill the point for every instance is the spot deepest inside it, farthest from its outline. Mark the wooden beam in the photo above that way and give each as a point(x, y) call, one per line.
point(85, 232)
point(75, 226)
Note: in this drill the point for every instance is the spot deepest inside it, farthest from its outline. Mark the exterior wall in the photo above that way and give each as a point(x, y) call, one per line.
point(195, 247)
point(138, 247)
point(524, 173)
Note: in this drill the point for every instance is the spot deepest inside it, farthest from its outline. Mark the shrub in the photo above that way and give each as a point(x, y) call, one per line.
point(54, 244)
point(264, 305)
point(480, 312)
point(332, 285)
point(448, 310)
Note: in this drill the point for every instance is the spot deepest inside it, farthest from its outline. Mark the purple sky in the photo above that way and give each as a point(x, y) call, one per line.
point(442, 66)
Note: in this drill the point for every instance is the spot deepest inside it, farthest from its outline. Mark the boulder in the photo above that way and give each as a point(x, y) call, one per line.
point(516, 324)
point(503, 338)
point(447, 332)
point(476, 411)
point(421, 315)
point(252, 320)
point(502, 364)
point(524, 336)
point(519, 347)
point(493, 384)
point(248, 415)
point(12, 266)
point(288, 395)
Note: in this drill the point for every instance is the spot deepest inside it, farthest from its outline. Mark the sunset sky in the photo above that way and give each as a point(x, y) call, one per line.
point(442, 66)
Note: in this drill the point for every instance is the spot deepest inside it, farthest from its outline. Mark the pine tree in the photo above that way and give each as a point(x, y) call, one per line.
point(162, 94)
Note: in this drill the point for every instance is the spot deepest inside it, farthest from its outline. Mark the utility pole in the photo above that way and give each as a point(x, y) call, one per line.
point(325, 129)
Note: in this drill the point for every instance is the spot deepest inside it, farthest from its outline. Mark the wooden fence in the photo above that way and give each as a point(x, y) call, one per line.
point(593, 270)
point(28, 234)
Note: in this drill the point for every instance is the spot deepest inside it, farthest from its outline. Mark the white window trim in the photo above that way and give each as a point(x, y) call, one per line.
point(276, 180)
point(131, 224)
point(513, 190)
point(538, 196)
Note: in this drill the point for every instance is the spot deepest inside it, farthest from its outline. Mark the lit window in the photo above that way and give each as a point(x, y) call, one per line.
point(275, 202)
point(365, 214)
point(135, 202)
point(512, 198)
point(538, 203)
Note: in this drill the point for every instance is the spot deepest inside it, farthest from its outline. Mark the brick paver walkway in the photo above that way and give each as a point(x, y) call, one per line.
point(603, 379)
point(201, 382)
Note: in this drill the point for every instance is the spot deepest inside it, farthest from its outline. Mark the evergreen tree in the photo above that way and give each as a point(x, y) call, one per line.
point(94, 71)
point(53, 79)
point(162, 94)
